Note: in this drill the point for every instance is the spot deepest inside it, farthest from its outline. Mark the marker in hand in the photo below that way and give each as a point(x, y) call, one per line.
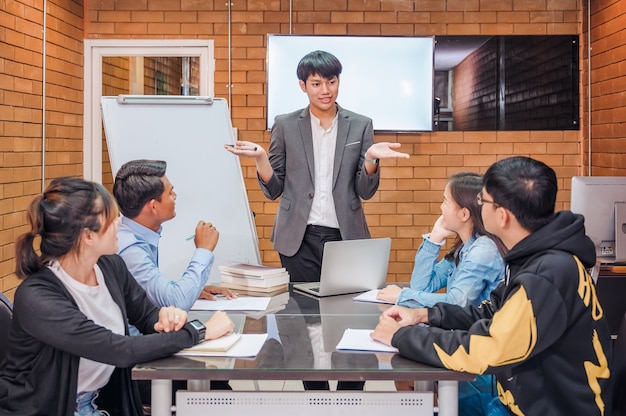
point(253, 148)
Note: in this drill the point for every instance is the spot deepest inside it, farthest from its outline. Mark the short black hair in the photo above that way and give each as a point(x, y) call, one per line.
point(320, 63)
point(138, 182)
point(524, 186)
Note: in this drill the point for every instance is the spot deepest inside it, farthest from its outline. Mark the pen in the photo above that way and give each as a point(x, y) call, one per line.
point(190, 237)
point(242, 147)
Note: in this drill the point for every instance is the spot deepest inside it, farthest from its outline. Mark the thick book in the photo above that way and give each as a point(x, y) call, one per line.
point(265, 290)
point(252, 270)
point(266, 282)
point(255, 291)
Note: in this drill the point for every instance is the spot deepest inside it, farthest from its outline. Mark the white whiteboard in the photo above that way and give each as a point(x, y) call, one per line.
point(386, 78)
point(189, 133)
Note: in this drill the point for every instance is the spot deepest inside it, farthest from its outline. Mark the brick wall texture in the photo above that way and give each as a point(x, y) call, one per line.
point(411, 190)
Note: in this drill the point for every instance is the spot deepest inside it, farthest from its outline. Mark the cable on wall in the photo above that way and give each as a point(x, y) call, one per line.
point(588, 87)
point(43, 97)
point(230, 63)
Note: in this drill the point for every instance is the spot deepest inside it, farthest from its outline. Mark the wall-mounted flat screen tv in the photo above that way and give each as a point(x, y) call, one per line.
point(389, 79)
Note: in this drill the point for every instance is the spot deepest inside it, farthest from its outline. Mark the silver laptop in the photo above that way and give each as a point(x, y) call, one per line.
point(351, 266)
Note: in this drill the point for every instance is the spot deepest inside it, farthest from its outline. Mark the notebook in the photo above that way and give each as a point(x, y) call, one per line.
point(351, 266)
point(338, 313)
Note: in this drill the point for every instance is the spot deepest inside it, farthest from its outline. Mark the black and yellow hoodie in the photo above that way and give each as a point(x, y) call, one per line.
point(543, 333)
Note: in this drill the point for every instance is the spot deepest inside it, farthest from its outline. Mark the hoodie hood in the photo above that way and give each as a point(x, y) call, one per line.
point(566, 232)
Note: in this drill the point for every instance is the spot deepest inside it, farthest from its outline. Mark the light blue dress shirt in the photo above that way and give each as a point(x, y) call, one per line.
point(139, 247)
point(480, 270)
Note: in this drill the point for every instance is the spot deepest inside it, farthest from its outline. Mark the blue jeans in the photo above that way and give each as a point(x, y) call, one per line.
point(479, 398)
point(85, 405)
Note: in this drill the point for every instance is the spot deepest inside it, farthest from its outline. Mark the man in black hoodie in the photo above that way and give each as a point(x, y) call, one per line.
point(543, 332)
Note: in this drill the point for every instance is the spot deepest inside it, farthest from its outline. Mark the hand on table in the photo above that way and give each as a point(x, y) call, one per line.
point(209, 292)
point(389, 293)
point(220, 324)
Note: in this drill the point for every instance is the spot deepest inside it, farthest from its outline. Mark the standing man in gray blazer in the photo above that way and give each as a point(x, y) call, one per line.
point(323, 161)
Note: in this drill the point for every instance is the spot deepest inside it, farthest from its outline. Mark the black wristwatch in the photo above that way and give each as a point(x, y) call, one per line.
point(199, 326)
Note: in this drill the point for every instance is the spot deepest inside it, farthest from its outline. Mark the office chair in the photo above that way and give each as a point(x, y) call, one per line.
point(618, 371)
point(6, 314)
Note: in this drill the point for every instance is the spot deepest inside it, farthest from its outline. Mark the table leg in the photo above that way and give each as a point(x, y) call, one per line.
point(161, 397)
point(198, 385)
point(448, 398)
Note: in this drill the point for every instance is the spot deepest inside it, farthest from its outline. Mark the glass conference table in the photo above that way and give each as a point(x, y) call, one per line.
point(302, 336)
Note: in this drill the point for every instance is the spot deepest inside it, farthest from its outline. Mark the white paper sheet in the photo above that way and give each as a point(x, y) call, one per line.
point(370, 296)
point(360, 340)
point(242, 303)
point(248, 346)
point(223, 344)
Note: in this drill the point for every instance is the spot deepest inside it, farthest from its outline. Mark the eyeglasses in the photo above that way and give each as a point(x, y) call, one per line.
point(481, 201)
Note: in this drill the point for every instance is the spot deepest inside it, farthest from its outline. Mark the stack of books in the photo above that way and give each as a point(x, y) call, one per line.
point(278, 302)
point(254, 278)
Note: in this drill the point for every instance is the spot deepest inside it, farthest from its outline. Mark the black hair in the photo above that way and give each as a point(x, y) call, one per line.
point(58, 216)
point(318, 63)
point(138, 182)
point(464, 187)
point(524, 186)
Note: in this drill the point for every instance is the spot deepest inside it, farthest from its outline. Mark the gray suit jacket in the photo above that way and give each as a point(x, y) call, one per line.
point(291, 157)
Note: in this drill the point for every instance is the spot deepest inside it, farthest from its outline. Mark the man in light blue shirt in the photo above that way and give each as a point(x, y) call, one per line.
point(147, 199)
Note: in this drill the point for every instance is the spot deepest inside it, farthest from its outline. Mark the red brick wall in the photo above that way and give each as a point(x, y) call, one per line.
point(608, 87)
point(21, 118)
point(410, 194)
point(408, 200)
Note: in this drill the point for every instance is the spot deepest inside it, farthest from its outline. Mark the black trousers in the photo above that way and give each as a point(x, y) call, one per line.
point(306, 264)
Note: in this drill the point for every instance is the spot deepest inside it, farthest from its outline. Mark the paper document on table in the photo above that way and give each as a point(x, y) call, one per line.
point(370, 296)
point(248, 345)
point(360, 340)
point(242, 303)
point(220, 344)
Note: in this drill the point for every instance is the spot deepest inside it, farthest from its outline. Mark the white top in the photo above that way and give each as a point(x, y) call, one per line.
point(324, 143)
point(98, 305)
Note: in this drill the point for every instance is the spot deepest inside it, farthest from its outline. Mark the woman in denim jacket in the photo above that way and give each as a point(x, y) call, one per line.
point(470, 270)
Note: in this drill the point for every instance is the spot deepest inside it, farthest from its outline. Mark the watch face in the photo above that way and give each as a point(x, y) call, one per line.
point(197, 324)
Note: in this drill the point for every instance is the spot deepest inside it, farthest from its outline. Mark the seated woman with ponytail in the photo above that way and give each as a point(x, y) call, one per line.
point(69, 339)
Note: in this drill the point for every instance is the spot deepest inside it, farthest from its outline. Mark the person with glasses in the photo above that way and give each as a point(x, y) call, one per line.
point(470, 270)
point(543, 333)
point(482, 201)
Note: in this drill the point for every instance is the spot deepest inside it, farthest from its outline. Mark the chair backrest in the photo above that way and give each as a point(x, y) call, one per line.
point(618, 371)
point(6, 314)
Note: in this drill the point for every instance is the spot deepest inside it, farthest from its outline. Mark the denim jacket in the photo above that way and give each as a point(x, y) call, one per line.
point(480, 270)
